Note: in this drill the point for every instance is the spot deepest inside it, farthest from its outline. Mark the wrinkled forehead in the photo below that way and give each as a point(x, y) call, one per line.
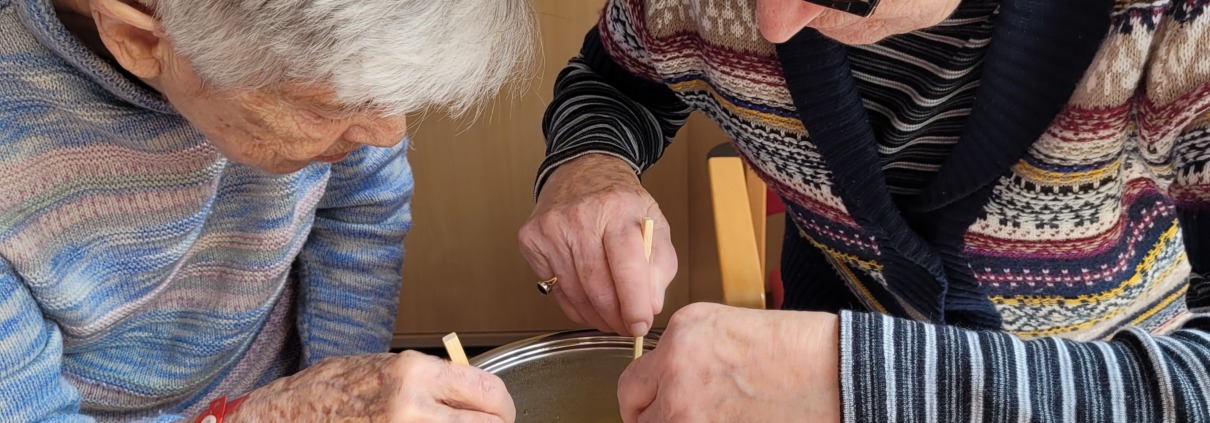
point(320, 97)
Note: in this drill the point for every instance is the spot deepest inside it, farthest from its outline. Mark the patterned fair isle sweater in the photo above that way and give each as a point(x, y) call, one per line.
point(141, 273)
point(1031, 249)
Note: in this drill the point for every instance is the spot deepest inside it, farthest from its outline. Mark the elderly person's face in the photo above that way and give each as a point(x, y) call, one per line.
point(279, 129)
point(779, 20)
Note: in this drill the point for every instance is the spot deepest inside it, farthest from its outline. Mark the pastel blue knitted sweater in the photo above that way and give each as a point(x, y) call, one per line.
point(141, 273)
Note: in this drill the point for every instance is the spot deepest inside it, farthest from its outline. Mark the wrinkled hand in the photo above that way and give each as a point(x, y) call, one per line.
point(407, 387)
point(586, 229)
point(724, 364)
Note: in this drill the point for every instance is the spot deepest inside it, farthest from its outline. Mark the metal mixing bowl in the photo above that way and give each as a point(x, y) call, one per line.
point(564, 377)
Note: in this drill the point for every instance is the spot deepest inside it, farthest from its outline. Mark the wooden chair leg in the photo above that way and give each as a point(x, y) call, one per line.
point(738, 252)
point(757, 196)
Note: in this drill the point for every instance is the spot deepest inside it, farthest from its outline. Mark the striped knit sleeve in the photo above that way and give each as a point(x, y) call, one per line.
point(32, 388)
point(349, 268)
point(900, 370)
point(601, 107)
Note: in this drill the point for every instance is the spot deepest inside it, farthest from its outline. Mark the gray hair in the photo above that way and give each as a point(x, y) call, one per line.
point(394, 56)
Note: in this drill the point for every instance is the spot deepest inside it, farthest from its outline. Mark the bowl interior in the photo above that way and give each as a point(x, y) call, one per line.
point(567, 377)
point(572, 386)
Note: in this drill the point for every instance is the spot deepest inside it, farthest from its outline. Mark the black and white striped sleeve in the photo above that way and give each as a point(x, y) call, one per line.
point(906, 371)
point(600, 107)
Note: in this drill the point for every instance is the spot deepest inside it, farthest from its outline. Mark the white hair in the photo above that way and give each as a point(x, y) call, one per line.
point(394, 56)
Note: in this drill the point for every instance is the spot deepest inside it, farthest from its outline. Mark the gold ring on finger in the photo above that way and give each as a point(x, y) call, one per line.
point(546, 286)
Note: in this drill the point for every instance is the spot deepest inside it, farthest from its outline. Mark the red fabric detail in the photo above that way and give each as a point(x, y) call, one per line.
point(775, 292)
point(219, 408)
point(773, 204)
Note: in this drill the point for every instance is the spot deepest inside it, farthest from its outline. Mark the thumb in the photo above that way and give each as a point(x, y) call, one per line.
point(470, 388)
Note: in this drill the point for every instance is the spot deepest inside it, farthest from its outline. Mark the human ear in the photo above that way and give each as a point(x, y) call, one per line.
point(132, 35)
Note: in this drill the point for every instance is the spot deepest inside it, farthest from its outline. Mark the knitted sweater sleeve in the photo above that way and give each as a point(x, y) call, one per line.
point(608, 100)
point(919, 372)
point(32, 387)
point(349, 268)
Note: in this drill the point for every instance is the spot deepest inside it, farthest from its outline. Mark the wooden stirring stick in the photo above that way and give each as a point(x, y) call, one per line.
point(648, 233)
point(454, 348)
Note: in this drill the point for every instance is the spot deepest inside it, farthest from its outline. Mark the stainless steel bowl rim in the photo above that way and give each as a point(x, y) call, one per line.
point(538, 347)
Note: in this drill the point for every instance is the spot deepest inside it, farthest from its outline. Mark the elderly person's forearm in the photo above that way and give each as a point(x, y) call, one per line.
point(603, 108)
point(350, 267)
point(606, 124)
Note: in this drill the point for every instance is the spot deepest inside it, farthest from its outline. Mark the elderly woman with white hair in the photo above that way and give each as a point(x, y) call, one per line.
point(203, 205)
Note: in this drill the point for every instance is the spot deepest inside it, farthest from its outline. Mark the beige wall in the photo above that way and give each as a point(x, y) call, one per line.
point(473, 191)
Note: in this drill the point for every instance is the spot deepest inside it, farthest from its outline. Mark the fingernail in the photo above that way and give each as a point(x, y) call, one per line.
point(638, 329)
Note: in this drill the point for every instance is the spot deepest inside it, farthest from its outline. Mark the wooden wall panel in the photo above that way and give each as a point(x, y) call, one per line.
point(474, 182)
